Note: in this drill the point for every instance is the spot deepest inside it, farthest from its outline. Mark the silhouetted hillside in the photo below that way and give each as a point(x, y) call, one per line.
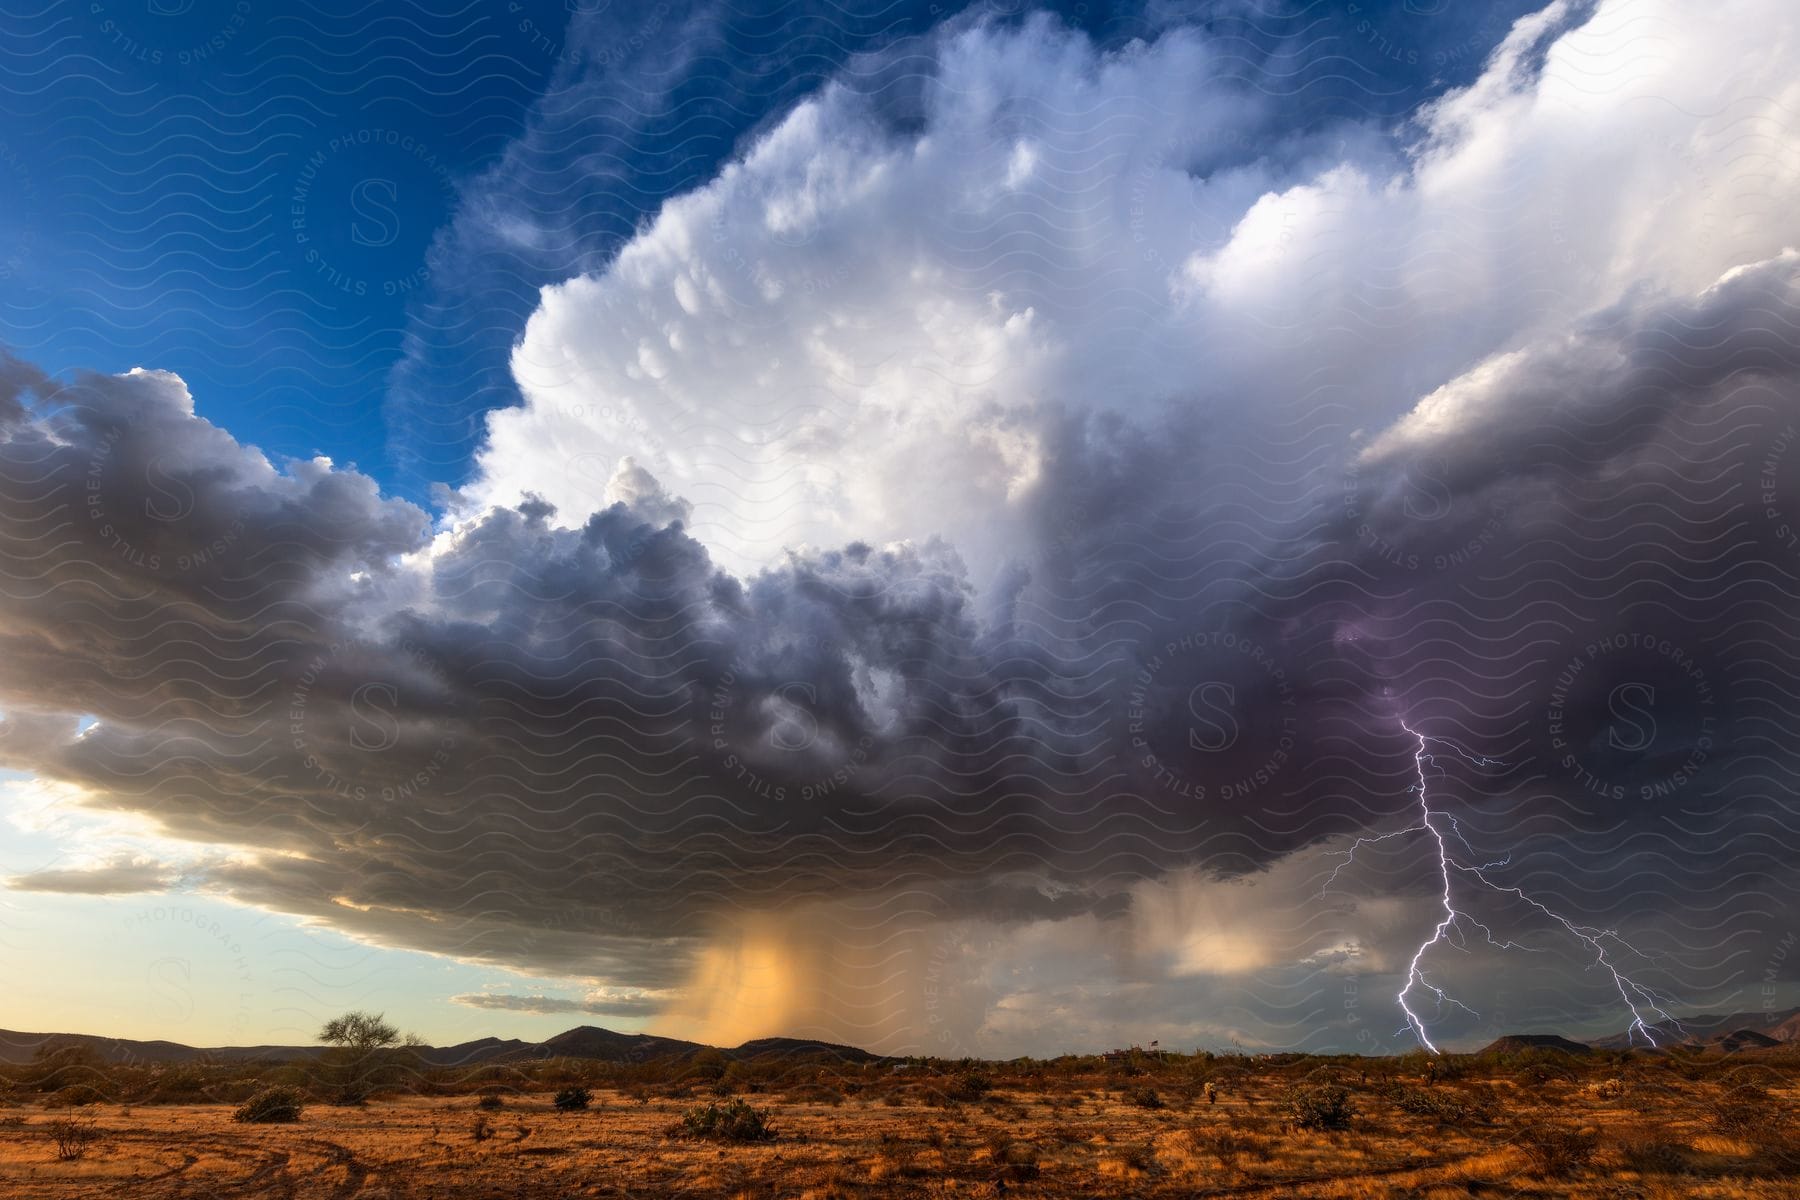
point(780, 1047)
point(584, 1041)
point(1515, 1043)
point(1709, 1029)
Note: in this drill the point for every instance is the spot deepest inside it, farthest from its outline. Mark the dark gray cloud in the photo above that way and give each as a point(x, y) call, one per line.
point(621, 1007)
point(582, 749)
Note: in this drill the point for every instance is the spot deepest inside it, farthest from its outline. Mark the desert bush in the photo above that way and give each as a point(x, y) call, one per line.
point(1445, 1107)
point(1650, 1155)
point(815, 1093)
point(181, 1083)
point(734, 1121)
point(1139, 1156)
point(572, 1099)
point(233, 1091)
point(1222, 1143)
point(74, 1095)
point(1017, 1162)
point(59, 1063)
point(895, 1161)
point(271, 1105)
point(1556, 1152)
point(969, 1085)
point(73, 1136)
point(490, 1101)
point(708, 1065)
point(1145, 1097)
point(1747, 1112)
point(934, 1136)
point(1451, 1067)
point(1324, 1107)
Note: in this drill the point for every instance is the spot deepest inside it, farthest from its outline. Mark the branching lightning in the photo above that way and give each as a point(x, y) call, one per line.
point(1444, 834)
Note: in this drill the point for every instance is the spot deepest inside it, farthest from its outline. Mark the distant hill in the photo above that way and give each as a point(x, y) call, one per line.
point(1714, 1029)
point(18, 1048)
point(780, 1047)
point(584, 1041)
point(1515, 1043)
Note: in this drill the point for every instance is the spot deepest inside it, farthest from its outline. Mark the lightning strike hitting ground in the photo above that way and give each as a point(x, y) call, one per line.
point(1443, 829)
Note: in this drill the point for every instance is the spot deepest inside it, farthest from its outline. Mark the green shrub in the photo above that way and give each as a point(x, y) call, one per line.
point(573, 1099)
point(271, 1105)
point(1324, 1107)
point(733, 1121)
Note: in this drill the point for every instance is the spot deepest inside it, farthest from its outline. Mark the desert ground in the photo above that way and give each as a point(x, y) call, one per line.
point(1178, 1126)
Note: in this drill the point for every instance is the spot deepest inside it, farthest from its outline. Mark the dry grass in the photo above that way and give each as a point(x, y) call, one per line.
point(870, 1133)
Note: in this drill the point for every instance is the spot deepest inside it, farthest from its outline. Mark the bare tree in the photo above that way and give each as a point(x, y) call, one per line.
point(360, 1031)
point(368, 1053)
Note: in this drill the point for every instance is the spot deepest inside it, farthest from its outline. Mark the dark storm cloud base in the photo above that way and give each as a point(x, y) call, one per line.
point(450, 744)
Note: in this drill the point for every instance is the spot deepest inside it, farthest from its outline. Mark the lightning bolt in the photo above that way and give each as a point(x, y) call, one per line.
point(1444, 834)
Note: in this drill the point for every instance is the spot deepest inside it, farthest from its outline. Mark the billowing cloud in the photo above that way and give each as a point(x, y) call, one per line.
point(958, 577)
point(874, 324)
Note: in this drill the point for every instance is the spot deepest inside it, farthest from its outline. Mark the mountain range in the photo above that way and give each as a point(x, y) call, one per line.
point(1726, 1032)
point(584, 1041)
point(1723, 1031)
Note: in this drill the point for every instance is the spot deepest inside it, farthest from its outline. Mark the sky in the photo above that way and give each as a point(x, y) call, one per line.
point(960, 530)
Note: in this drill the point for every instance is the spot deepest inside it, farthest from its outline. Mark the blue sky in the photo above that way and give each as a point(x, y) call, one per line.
point(799, 471)
point(287, 205)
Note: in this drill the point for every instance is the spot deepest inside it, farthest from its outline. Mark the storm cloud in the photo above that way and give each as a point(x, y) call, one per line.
point(953, 578)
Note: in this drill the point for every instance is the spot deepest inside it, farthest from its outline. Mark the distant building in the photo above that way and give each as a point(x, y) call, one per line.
point(1136, 1051)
